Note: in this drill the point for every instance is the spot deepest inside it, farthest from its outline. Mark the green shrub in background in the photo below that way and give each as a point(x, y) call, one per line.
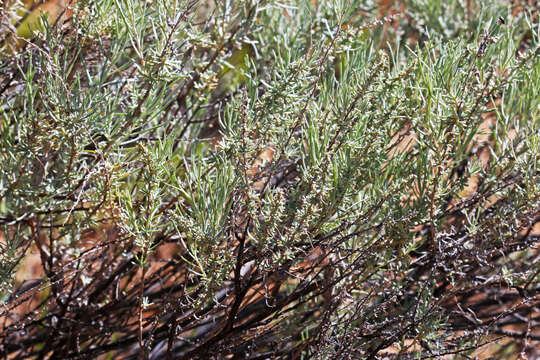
point(264, 179)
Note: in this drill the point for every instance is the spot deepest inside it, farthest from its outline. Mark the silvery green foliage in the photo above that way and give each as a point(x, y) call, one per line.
point(332, 183)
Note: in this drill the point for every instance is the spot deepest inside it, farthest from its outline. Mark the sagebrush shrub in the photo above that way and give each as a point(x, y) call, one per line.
point(263, 179)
